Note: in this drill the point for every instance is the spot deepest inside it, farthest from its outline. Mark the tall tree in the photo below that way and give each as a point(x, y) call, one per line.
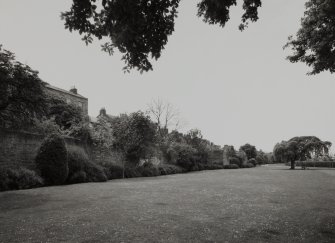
point(22, 97)
point(250, 151)
point(139, 29)
point(300, 148)
point(134, 135)
point(314, 43)
point(164, 114)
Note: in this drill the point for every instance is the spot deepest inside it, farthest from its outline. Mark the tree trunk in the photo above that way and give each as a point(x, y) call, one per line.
point(292, 165)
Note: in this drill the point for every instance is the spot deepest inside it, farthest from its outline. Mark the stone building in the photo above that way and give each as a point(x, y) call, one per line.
point(70, 97)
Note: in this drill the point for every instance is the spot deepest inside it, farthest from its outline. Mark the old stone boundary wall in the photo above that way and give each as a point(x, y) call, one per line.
point(19, 148)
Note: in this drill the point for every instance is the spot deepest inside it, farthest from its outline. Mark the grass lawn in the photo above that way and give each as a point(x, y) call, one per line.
point(263, 204)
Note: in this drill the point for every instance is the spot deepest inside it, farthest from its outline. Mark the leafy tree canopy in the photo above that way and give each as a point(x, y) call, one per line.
point(139, 29)
point(134, 135)
point(250, 151)
point(314, 43)
point(300, 148)
point(22, 97)
point(65, 115)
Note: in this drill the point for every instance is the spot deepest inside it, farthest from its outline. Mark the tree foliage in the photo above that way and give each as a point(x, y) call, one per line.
point(69, 118)
point(134, 135)
point(250, 151)
point(300, 148)
point(22, 97)
point(65, 115)
point(139, 29)
point(51, 160)
point(314, 43)
point(217, 11)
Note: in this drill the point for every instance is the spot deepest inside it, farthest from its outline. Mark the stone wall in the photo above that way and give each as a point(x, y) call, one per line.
point(101, 156)
point(216, 157)
point(20, 148)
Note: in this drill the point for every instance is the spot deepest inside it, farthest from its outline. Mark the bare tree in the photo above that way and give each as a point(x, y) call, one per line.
point(164, 114)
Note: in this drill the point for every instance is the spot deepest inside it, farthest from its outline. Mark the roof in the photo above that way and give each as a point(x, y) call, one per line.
point(64, 91)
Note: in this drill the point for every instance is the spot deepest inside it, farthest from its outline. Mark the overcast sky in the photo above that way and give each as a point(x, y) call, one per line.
point(236, 87)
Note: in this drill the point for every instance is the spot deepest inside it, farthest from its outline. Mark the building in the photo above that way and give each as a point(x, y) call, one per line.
point(70, 97)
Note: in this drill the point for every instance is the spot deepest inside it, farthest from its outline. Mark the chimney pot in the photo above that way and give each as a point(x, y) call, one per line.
point(74, 90)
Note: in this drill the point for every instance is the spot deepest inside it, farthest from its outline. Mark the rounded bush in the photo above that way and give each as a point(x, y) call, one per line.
point(77, 177)
point(150, 171)
point(113, 171)
point(235, 161)
point(95, 173)
point(19, 178)
point(248, 165)
point(51, 160)
point(81, 169)
point(132, 172)
point(252, 161)
point(231, 166)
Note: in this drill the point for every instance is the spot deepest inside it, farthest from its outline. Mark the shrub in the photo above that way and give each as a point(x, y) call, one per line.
point(231, 166)
point(248, 165)
point(77, 158)
point(252, 161)
point(81, 169)
point(328, 164)
point(113, 171)
point(167, 169)
point(132, 172)
point(235, 161)
point(149, 170)
point(94, 172)
point(51, 160)
point(213, 167)
point(19, 178)
point(183, 155)
point(77, 177)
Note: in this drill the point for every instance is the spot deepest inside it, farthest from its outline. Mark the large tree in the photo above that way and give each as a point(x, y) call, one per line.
point(300, 148)
point(134, 136)
point(250, 151)
point(165, 115)
point(314, 43)
point(22, 97)
point(139, 29)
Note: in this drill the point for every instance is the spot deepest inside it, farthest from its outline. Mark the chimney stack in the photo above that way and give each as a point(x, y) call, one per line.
point(103, 112)
point(74, 90)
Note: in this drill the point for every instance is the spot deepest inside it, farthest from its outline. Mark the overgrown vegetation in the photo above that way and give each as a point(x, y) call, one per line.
point(51, 160)
point(145, 145)
point(81, 169)
point(19, 178)
point(22, 97)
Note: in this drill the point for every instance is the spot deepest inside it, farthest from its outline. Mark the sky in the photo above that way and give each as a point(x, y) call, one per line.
point(236, 87)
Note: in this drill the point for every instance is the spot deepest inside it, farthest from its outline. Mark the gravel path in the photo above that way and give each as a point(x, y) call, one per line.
point(263, 204)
